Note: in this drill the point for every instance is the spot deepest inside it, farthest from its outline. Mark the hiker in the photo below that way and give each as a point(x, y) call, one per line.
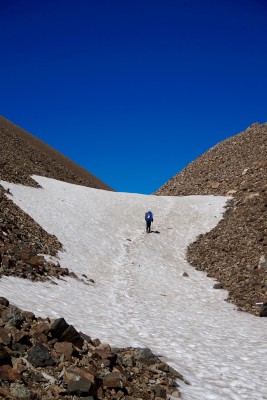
point(149, 219)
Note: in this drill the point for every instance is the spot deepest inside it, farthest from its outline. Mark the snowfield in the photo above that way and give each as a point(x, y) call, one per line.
point(140, 296)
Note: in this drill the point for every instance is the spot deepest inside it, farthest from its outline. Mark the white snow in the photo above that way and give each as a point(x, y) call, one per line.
point(140, 297)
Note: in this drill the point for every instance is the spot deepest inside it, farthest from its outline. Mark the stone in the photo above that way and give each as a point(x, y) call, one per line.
point(88, 373)
point(105, 354)
point(7, 373)
point(28, 315)
point(71, 335)
point(262, 262)
point(218, 285)
point(80, 387)
point(4, 302)
point(14, 317)
point(40, 328)
point(160, 392)
point(37, 377)
point(64, 332)
point(146, 356)
point(85, 337)
point(4, 356)
point(263, 310)
point(65, 348)
point(39, 356)
point(21, 337)
point(36, 260)
point(96, 342)
point(4, 337)
point(245, 171)
point(176, 393)
point(58, 327)
point(19, 391)
point(112, 380)
point(128, 360)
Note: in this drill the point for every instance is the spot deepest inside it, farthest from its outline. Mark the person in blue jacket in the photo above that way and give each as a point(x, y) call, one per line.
point(149, 220)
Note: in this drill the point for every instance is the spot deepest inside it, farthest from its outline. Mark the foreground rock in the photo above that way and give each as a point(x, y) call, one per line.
point(45, 359)
point(235, 251)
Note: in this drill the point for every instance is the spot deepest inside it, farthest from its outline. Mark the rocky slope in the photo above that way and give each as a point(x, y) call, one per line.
point(44, 359)
point(23, 155)
point(21, 238)
point(235, 251)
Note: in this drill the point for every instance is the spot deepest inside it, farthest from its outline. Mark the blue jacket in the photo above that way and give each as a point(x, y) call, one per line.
point(149, 216)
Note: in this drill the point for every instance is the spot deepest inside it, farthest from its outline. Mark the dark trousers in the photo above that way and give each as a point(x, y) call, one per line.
point(148, 226)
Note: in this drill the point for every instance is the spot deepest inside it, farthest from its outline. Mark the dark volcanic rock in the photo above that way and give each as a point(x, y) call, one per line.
point(65, 332)
point(58, 327)
point(39, 356)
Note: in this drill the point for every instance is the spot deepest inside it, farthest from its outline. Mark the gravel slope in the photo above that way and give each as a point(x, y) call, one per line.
point(235, 251)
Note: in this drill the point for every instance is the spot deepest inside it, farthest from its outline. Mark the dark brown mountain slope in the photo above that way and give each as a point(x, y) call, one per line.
point(21, 238)
point(22, 155)
point(235, 251)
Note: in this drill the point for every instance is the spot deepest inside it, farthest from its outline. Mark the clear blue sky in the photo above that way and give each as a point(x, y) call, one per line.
point(133, 90)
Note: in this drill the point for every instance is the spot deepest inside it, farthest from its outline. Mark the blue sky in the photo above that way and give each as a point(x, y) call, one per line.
point(133, 90)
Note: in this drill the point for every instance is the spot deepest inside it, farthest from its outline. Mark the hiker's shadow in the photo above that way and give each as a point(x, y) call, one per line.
point(154, 231)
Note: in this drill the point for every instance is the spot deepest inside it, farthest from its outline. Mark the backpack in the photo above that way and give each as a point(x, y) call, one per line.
point(149, 216)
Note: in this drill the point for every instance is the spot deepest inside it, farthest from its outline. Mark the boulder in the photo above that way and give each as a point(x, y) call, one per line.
point(4, 356)
point(80, 387)
point(39, 356)
point(64, 332)
point(112, 380)
point(4, 302)
point(7, 373)
point(263, 310)
point(218, 285)
point(20, 392)
point(65, 348)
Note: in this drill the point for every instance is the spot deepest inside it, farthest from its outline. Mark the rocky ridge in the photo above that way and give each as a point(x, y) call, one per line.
point(22, 240)
point(235, 251)
point(23, 155)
